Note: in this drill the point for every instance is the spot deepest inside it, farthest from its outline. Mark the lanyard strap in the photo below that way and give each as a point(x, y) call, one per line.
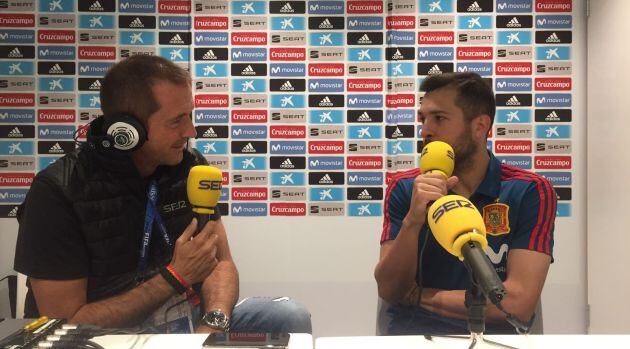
point(152, 216)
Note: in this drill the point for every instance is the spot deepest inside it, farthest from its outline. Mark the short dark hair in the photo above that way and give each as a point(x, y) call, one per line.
point(127, 86)
point(474, 95)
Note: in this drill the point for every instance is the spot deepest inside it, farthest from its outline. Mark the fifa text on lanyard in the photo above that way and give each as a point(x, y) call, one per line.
point(153, 216)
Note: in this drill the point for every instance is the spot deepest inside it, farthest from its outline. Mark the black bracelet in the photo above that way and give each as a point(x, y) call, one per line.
point(166, 274)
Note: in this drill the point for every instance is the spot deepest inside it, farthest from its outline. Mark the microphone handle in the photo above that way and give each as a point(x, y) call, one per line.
point(483, 273)
point(202, 220)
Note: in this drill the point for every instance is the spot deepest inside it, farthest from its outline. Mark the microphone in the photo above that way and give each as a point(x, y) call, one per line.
point(459, 229)
point(204, 188)
point(437, 157)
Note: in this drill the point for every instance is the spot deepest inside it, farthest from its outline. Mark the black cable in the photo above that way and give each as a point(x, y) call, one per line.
point(73, 340)
point(95, 345)
point(95, 332)
point(150, 329)
point(120, 331)
point(69, 332)
point(135, 331)
point(81, 338)
point(76, 346)
point(499, 344)
point(419, 272)
point(456, 336)
point(519, 326)
point(76, 134)
point(473, 342)
point(12, 286)
point(66, 344)
point(126, 330)
point(420, 255)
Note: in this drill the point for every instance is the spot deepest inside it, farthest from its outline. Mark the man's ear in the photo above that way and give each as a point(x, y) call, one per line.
point(481, 126)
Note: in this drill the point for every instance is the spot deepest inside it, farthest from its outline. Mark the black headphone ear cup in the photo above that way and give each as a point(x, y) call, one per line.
point(95, 137)
point(125, 132)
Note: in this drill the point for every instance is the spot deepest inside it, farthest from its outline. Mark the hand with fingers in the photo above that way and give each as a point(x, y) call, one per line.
point(427, 188)
point(195, 256)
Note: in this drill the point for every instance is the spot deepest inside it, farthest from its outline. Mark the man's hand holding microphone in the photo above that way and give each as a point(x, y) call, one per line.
point(436, 164)
point(195, 254)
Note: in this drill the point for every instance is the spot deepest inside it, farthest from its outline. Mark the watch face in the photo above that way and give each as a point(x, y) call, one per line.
point(217, 319)
point(219, 316)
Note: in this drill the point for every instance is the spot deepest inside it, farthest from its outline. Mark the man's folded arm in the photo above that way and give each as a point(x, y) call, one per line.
point(67, 299)
point(528, 261)
point(526, 270)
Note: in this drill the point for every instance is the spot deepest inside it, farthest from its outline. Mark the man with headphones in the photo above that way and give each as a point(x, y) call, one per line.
point(106, 232)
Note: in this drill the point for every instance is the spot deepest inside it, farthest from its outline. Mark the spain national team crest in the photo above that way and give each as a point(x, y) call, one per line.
point(495, 216)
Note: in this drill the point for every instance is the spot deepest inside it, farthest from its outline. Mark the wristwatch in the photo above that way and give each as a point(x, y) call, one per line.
point(217, 319)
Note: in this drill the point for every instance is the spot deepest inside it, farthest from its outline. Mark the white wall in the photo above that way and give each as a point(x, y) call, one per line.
point(564, 294)
point(8, 235)
point(325, 264)
point(608, 166)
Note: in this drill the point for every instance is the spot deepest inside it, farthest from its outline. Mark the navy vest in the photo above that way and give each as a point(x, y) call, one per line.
point(108, 197)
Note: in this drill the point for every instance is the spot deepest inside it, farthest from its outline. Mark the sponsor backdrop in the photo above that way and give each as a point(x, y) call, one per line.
point(308, 107)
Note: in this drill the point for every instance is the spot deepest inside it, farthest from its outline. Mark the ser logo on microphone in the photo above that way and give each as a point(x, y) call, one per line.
point(206, 184)
point(450, 205)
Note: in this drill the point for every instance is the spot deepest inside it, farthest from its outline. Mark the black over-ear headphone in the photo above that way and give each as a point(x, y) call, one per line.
point(123, 132)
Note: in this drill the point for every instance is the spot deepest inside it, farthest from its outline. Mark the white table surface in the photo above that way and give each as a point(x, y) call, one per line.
point(181, 341)
point(521, 342)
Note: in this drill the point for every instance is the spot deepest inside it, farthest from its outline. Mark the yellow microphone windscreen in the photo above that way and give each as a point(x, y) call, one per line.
point(204, 188)
point(454, 220)
point(437, 157)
